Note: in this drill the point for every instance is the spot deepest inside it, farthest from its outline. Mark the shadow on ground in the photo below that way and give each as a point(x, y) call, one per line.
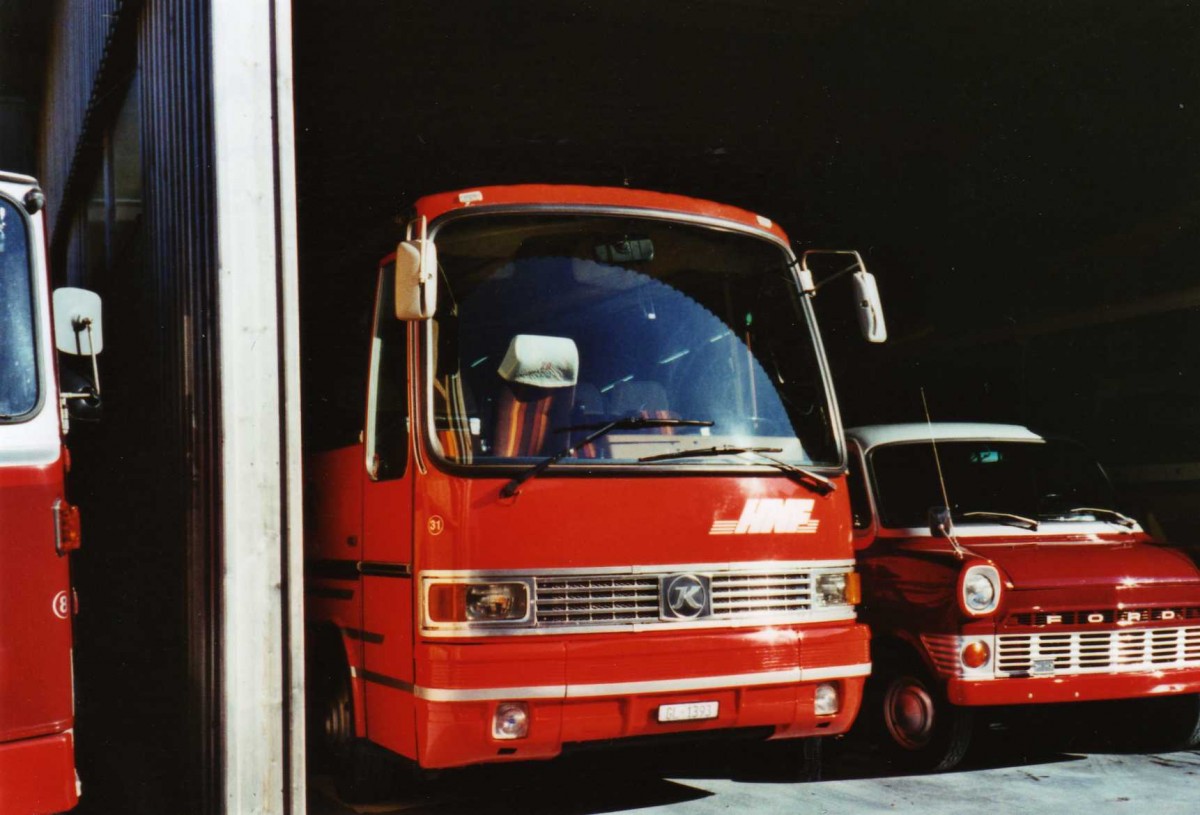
point(631, 778)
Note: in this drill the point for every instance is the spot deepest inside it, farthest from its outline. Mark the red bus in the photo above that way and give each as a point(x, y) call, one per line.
point(598, 493)
point(38, 527)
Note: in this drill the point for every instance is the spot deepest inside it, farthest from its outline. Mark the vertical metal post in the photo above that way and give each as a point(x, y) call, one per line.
point(262, 634)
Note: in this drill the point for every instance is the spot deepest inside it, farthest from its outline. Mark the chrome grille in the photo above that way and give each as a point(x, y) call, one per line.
point(597, 600)
point(1120, 650)
point(586, 600)
point(737, 594)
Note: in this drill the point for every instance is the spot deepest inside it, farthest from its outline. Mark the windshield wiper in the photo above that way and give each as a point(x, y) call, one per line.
point(805, 478)
point(1119, 518)
point(701, 452)
point(598, 429)
point(1004, 518)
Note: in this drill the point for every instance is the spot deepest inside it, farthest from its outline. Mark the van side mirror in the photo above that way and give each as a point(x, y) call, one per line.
point(416, 276)
point(940, 524)
point(870, 307)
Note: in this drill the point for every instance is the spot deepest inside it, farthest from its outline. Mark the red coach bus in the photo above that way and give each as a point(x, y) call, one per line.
point(38, 527)
point(598, 493)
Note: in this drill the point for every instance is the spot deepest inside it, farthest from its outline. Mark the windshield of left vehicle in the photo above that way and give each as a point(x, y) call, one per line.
point(1050, 481)
point(18, 368)
point(550, 325)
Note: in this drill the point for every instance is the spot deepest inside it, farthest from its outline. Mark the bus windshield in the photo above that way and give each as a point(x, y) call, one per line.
point(18, 369)
point(550, 325)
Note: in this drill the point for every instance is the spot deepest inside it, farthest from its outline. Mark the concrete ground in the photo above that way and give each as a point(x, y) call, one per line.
point(1006, 772)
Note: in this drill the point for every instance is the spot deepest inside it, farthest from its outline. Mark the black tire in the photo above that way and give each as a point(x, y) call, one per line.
point(811, 758)
point(790, 759)
point(915, 723)
point(1164, 723)
point(362, 771)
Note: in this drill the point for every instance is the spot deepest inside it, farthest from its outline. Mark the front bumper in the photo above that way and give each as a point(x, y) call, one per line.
point(37, 775)
point(589, 689)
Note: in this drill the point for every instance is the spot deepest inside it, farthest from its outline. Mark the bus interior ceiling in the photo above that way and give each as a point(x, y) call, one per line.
point(1020, 179)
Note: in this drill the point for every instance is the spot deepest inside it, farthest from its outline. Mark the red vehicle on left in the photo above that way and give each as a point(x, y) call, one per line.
point(38, 526)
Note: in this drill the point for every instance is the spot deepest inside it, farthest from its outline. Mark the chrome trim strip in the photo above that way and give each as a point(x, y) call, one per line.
point(696, 683)
point(661, 568)
point(835, 672)
point(832, 615)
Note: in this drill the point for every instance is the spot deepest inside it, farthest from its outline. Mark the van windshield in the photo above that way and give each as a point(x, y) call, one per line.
point(550, 325)
point(987, 480)
point(18, 369)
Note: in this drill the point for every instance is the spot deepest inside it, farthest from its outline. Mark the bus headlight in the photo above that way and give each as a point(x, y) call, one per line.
point(836, 589)
point(482, 602)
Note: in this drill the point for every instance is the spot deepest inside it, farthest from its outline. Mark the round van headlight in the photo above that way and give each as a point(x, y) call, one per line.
point(980, 590)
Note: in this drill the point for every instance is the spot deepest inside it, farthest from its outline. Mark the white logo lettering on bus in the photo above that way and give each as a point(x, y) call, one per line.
point(764, 516)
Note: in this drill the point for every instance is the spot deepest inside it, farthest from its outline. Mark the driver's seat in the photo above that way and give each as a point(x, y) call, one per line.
point(539, 374)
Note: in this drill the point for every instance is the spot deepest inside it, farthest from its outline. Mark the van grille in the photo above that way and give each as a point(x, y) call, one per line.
point(630, 599)
point(1121, 650)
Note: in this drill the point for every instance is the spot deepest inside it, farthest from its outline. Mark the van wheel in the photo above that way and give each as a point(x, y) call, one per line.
point(921, 729)
point(1163, 723)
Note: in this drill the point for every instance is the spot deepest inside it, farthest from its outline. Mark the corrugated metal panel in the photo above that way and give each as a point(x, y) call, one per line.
point(164, 46)
point(80, 74)
point(176, 76)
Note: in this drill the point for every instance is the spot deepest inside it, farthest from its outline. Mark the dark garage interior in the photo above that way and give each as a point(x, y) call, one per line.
point(1020, 177)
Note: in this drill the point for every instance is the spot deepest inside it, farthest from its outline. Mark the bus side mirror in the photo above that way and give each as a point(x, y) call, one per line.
point(78, 332)
point(870, 307)
point(416, 277)
point(866, 290)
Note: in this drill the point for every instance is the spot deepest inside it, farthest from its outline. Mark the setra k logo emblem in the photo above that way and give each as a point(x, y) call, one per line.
point(685, 597)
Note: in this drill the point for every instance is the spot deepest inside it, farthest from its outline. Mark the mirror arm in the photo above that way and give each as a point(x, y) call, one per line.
point(85, 323)
point(852, 267)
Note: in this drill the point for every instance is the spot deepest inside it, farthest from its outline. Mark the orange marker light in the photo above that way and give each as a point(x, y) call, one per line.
point(976, 654)
point(448, 602)
point(853, 589)
point(68, 533)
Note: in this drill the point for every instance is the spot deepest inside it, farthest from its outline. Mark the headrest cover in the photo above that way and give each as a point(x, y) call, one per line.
point(544, 362)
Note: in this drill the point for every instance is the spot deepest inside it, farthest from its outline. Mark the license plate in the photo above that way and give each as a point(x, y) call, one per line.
point(1042, 667)
point(687, 712)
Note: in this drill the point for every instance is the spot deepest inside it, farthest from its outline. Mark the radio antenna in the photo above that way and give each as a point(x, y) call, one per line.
point(948, 529)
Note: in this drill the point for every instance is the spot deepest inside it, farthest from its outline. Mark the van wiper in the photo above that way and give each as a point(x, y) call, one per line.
point(806, 478)
point(598, 429)
point(1004, 518)
point(1119, 518)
